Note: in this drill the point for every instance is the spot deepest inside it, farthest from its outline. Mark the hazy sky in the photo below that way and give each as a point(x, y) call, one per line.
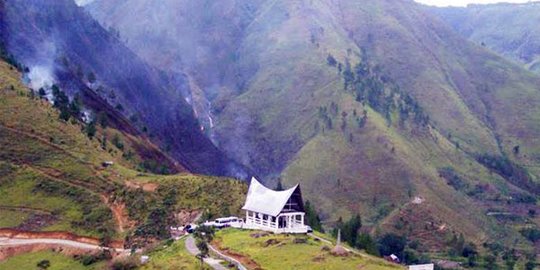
point(466, 2)
point(427, 2)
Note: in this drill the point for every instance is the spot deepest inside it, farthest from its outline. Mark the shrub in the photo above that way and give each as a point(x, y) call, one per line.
point(128, 263)
point(391, 244)
point(44, 264)
point(532, 234)
point(331, 61)
point(512, 172)
point(452, 178)
point(312, 217)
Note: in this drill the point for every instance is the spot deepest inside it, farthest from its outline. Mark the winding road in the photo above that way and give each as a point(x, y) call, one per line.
point(14, 242)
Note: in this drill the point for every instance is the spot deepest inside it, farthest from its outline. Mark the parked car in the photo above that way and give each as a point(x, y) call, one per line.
point(190, 228)
point(224, 222)
point(309, 229)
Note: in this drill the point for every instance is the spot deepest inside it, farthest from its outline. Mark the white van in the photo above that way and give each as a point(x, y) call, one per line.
point(224, 222)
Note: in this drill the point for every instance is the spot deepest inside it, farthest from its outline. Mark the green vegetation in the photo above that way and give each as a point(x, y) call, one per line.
point(173, 256)
point(203, 236)
point(52, 176)
point(47, 260)
point(370, 86)
point(349, 230)
point(312, 217)
point(511, 171)
point(532, 234)
point(22, 190)
point(282, 252)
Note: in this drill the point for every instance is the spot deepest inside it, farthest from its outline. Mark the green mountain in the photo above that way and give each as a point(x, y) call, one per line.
point(57, 175)
point(508, 29)
point(375, 107)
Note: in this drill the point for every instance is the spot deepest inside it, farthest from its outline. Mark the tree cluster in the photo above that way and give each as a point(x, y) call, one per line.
point(377, 90)
point(312, 217)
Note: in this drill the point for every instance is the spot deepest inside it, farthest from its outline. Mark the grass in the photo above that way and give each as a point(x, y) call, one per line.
point(174, 256)
point(57, 262)
point(285, 254)
point(19, 192)
point(11, 218)
point(216, 195)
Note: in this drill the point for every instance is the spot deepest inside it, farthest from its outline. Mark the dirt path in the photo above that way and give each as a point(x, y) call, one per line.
point(85, 186)
point(24, 209)
point(10, 247)
point(13, 242)
point(118, 211)
point(193, 250)
point(46, 142)
point(228, 258)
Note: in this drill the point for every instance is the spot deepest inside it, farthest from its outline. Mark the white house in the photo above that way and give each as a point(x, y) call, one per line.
point(274, 211)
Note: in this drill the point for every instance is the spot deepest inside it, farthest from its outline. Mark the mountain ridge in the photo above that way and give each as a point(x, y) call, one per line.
point(326, 95)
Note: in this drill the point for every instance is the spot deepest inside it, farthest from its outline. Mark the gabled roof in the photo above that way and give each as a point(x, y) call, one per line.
point(263, 200)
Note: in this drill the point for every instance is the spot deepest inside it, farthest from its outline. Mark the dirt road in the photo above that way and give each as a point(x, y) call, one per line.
point(13, 242)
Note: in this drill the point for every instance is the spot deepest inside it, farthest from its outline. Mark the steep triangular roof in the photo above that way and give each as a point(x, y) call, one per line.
point(263, 200)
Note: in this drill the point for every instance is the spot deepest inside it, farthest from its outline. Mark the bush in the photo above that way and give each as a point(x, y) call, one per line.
point(116, 141)
point(90, 129)
point(331, 61)
point(532, 234)
point(452, 178)
point(128, 263)
point(312, 217)
point(512, 172)
point(367, 243)
point(94, 258)
point(44, 264)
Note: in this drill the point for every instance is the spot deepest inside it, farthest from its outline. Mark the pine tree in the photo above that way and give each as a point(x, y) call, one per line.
point(91, 129)
point(312, 218)
point(279, 186)
point(367, 243)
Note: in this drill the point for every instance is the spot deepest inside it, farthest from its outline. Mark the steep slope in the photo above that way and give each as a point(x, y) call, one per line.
point(53, 176)
point(59, 42)
point(368, 104)
point(508, 29)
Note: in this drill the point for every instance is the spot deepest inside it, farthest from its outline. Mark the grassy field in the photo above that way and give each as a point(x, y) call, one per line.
point(57, 262)
point(11, 218)
point(283, 253)
point(20, 192)
point(173, 257)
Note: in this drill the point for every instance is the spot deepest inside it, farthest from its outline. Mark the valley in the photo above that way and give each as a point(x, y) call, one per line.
point(122, 118)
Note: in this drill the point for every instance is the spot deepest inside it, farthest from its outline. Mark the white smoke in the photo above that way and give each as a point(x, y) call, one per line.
point(83, 2)
point(40, 77)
